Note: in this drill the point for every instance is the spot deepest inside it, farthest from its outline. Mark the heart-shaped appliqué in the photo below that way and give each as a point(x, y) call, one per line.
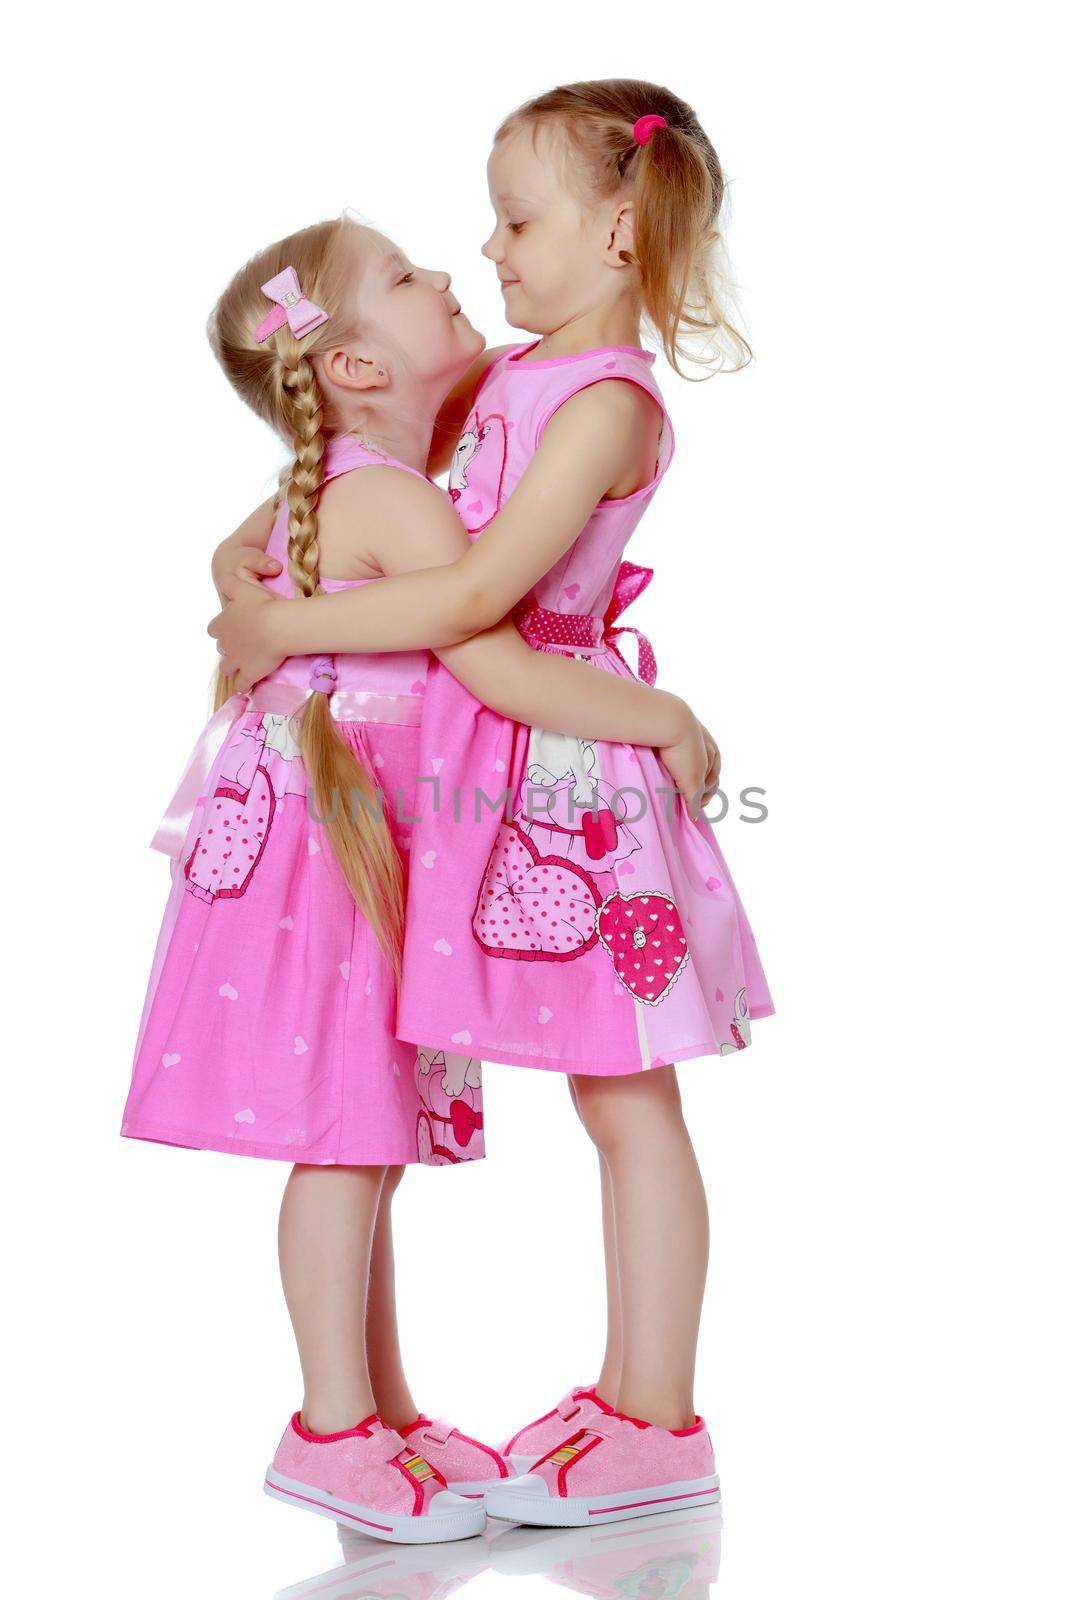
point(533, 907)
point(642, 936)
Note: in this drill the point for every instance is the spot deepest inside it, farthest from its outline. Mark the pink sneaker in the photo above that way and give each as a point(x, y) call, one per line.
point(467, 1466)
point(526, 1447)
point(610, 1468)
point(368, 1478)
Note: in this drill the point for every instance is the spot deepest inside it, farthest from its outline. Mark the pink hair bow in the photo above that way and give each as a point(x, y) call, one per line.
point(292, 306)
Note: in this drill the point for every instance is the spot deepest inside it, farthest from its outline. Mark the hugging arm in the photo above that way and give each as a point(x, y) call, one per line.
point(245, 549)
point(409, 527)
point(580, 457)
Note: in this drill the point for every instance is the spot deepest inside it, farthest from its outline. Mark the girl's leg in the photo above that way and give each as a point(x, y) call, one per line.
point(388, 1381)
point(661, 1230)
point(607, 1385)
point(324, 1247)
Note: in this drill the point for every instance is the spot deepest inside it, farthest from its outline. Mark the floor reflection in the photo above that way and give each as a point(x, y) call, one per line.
point(672, 1556)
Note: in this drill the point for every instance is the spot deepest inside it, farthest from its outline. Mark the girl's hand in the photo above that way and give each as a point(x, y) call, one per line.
point(242, 561)
point(244, 631)
point(693, 762)
point(711, 779)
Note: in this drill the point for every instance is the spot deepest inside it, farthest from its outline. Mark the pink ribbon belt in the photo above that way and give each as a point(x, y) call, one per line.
point(197, 781)
point(583, 631)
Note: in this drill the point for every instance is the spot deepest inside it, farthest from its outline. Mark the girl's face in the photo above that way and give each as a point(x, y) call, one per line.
point(413, 316)
point(552, 254)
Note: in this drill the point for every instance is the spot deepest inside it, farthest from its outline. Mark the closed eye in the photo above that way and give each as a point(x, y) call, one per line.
point(516, 227)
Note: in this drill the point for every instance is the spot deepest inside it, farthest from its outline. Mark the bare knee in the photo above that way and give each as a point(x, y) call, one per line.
point(391, 1181)
point(616, 1111)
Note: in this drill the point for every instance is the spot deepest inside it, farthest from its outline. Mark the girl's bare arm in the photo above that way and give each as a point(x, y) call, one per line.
point(586, 447)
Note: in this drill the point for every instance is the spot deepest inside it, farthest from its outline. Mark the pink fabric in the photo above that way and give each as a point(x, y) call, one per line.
point(597, 928)
point(545, 1432)
point(457, 1456)
point(292, 306)
point(368, 1466)
point(268, 1024)
point(579, 631)
point(612, 1453)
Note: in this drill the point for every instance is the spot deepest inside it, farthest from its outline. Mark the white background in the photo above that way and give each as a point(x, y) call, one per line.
point(854, 587)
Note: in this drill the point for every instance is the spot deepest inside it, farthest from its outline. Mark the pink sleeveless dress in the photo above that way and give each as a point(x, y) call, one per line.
point(564, 911)
point(268, 1026)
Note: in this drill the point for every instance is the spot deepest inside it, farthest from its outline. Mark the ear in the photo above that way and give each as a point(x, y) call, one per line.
point(620, 249)
point(348, 367)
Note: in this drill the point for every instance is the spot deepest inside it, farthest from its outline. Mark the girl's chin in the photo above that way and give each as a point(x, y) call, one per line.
point(471, 341)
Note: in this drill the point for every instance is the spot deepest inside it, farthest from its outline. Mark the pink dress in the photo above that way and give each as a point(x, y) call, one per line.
point(564, 911)
point(268, 1025)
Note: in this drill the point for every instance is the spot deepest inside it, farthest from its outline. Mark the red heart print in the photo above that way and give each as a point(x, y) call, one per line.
point(642, 934)
point(533, 907)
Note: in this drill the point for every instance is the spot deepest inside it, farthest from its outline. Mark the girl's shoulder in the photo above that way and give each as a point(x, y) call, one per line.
point(531, 392)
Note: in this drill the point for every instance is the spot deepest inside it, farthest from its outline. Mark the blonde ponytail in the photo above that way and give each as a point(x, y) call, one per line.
point(677, 186)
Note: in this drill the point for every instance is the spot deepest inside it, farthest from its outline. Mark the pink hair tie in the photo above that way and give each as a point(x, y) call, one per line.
point(644, 126)
point(323, 674)
point(292, 306)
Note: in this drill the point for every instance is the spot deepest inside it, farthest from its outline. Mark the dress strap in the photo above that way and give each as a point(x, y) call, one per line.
point(346, 453)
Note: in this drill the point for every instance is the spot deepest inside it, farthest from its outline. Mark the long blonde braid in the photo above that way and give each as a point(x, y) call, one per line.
point(278, 380)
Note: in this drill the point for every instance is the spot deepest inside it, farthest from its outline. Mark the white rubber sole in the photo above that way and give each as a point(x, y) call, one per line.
point(513, 1503)
point(459, 1520)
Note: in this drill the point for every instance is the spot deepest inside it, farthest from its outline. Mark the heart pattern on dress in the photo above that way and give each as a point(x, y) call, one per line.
point(231, 839)
point(533, 907)
point(642, 934)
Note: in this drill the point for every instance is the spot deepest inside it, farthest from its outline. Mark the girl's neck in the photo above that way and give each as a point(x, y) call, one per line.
point(615, 324)
point(402, 428)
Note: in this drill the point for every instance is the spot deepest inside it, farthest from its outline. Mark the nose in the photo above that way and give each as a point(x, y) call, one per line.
point(491, 247)
point(442, 281)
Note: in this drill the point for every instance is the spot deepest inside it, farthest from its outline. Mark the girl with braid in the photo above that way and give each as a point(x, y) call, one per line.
point(268, 1026)
point(607, 198)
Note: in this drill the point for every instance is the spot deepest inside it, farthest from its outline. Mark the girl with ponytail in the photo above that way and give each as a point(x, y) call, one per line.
point(608, 197)
point(269, 1024)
